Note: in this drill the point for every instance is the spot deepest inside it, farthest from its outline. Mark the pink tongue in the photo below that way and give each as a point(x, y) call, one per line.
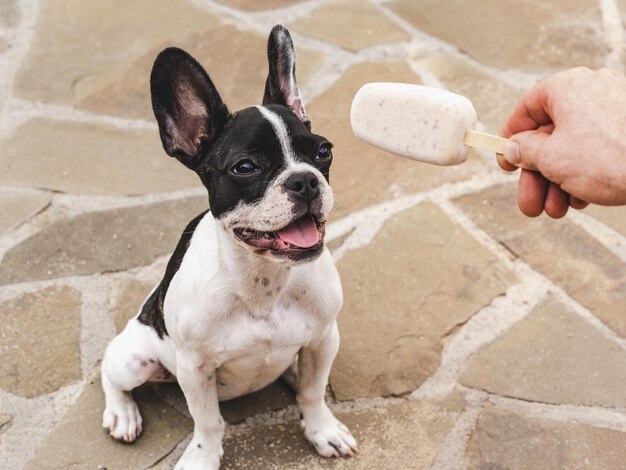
point(301, 233)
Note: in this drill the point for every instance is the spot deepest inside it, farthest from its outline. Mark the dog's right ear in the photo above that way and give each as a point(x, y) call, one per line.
point(281, 86)
point(186, 105)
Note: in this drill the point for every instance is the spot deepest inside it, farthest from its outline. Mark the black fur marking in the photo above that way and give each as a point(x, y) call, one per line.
point(281, 86)
point(152, 310)
point(337, 447)
point(249, 135)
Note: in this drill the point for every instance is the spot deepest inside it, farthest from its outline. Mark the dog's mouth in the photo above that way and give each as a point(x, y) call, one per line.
point(303, 234)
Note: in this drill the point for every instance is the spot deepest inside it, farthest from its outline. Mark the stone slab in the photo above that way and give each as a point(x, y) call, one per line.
point(336, 243)
point(163, 428)
point(39, 341)
point(258, 5)
point(274, 397)
point(127, 297)
point(111, 240)
point(90, 159)
point(9, 13)
point(505, 440)
point(514, 34)
point(551, 356)
point(5, 421)
point(362, 175)
point(558, 249)
point(614, 217)
point(236, 60)
point(4, 46)
point(492, 99)
point(368, 26)
point(404, 435)
point(17, 208)
point(421, 276)
point(78, 42)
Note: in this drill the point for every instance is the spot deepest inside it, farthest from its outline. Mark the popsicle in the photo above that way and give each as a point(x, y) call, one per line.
point(423, 123)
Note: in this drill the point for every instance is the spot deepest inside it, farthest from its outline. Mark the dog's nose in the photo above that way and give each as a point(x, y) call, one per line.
point(303, 185)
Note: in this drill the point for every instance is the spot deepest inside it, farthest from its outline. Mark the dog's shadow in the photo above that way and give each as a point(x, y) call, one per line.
point(276, 396)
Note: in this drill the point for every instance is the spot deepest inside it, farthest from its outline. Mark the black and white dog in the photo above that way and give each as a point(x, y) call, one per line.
point(250, 288)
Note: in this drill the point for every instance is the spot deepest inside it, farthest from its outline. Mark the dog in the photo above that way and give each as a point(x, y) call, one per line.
point(250, 292)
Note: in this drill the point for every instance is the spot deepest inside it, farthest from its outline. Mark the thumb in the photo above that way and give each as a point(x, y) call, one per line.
point(526, 149)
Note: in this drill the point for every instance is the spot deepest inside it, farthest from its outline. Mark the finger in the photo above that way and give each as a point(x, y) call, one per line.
point(557, 202)
point(547, 128)
point(530, 112)
point(506, 166)
point(527, 149)
point(531, 193)
point(576, 203)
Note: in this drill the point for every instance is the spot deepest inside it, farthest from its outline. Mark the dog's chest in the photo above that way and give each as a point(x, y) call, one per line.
point(253, 331)
point(256, 346)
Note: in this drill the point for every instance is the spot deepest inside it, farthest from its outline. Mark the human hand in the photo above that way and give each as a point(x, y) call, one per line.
point(568, 134)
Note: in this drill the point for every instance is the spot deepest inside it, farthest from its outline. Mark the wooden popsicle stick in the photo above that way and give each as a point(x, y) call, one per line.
point(484, 141)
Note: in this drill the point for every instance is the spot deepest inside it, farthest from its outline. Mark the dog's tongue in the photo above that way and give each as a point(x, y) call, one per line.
point(301, 233)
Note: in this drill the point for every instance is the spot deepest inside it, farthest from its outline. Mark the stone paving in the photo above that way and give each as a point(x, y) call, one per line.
point(472, 337)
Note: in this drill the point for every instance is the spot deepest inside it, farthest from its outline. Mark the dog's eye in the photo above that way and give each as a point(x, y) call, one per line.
point(324, 153)
point(244, 168)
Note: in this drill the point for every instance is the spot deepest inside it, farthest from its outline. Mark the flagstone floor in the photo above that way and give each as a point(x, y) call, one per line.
point(472, 337)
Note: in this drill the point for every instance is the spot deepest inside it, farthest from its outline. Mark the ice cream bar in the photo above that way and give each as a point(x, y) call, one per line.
point(423, 123)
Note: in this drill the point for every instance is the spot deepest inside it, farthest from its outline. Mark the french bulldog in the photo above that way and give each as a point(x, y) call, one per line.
point(250, 292)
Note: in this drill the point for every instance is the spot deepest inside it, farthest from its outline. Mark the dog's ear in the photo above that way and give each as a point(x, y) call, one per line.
point(186, 105)
point(281, 86)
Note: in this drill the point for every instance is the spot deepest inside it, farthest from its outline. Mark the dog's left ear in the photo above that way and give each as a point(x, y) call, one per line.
point(281, 86)
point(186, 104)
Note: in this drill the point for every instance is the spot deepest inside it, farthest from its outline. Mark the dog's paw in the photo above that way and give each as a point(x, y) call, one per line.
point(330, 436)
point(122, 419)
point(197, 457)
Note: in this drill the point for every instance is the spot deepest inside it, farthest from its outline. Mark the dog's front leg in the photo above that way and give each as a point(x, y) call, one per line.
point(198, 383)
point(330, 436)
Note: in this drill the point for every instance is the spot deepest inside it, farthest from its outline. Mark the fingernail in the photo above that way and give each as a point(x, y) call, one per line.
point(511, 152)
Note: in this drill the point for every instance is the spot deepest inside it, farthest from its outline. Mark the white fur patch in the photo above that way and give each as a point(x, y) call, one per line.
point(281, 132)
